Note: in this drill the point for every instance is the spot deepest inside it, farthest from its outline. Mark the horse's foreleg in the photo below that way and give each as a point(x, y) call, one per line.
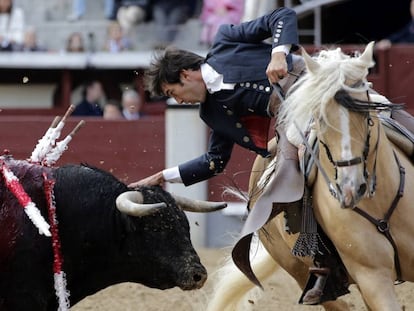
point(337, 305)
point(374, 275)
point(378, 290)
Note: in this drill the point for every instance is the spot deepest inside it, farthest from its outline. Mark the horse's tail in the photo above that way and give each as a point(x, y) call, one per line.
point(232, 290)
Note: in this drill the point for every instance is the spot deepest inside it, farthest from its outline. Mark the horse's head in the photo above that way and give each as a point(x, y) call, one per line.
point(334, 94)
point(348, 137)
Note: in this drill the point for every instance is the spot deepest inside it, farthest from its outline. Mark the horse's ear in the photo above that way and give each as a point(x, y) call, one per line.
point(368, 54)
point(311, 64)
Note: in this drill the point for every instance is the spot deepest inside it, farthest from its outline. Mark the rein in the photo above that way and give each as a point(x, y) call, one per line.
point(315, 158)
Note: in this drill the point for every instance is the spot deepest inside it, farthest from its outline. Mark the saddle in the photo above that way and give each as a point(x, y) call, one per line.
point(399, 136)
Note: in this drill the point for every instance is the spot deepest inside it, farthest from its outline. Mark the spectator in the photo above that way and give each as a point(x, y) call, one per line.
point(117, 41)
point(112, 111)
point(217, 12)
point(30, 43)
point(131, 105)
point(168, 15)
point(12, 24)
point(79, 10)
point(75, 42)
point(404, 35)
point(132, 12)
point(90, 105)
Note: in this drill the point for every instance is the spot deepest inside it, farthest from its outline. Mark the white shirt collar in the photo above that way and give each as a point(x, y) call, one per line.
point(214, 80)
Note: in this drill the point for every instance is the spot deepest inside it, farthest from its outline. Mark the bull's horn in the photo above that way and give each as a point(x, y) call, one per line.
point(198, 206)
point(131, 203)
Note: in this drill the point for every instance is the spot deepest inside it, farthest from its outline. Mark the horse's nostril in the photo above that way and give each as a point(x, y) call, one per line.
point(362, 189)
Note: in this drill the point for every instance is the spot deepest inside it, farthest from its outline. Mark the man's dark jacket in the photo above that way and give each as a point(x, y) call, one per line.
point(240, 115)
point(85, 108)
point(404, 35)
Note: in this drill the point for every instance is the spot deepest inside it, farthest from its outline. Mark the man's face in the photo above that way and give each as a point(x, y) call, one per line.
point(191, 90)
point(95, 92)
point(132, 104)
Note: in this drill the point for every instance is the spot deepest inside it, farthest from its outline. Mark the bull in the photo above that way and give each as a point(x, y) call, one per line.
point(108, 233)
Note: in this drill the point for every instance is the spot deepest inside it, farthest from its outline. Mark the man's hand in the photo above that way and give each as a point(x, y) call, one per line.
point(153, 180)
point(277, 68)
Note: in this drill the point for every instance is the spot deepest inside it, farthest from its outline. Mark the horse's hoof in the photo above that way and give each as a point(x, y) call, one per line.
point(312, 297)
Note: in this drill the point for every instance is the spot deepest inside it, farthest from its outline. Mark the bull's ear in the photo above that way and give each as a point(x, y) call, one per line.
point(198, 206)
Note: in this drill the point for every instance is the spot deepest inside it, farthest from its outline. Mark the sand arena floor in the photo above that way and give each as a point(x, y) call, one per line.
point(281, 293)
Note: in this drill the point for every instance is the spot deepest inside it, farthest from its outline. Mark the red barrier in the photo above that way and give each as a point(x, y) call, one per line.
point(400, 75)
point(129, 149)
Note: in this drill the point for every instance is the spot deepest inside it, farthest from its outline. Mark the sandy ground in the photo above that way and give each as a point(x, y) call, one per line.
point(281, 293)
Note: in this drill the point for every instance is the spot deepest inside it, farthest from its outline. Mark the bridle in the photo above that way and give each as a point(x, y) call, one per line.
point(364, 107)
point(382, 225)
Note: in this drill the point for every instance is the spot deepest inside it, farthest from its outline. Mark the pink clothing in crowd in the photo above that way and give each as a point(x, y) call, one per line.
point(217, 12)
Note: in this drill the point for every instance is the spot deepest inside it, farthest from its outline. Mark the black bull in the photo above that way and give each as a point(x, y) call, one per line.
point(100, 245)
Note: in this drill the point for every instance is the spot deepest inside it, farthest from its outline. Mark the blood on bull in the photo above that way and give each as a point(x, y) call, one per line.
point(107, 234)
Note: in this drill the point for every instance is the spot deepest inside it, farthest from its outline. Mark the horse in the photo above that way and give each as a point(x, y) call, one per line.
point(232, 290)
point(359, 191)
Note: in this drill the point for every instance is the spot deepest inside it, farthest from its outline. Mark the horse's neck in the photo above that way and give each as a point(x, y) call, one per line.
point(385, 162)
point(386, 152)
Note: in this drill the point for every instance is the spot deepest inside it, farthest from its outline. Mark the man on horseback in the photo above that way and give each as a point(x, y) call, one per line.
point(234, 86)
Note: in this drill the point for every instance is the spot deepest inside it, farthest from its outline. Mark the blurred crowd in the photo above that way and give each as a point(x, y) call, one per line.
point(122, 16)
point(167, 16)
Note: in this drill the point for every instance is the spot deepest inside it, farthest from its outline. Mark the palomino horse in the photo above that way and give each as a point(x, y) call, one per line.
point(361, 193)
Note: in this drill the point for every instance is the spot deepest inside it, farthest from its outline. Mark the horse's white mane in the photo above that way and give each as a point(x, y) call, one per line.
point(309, 96)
